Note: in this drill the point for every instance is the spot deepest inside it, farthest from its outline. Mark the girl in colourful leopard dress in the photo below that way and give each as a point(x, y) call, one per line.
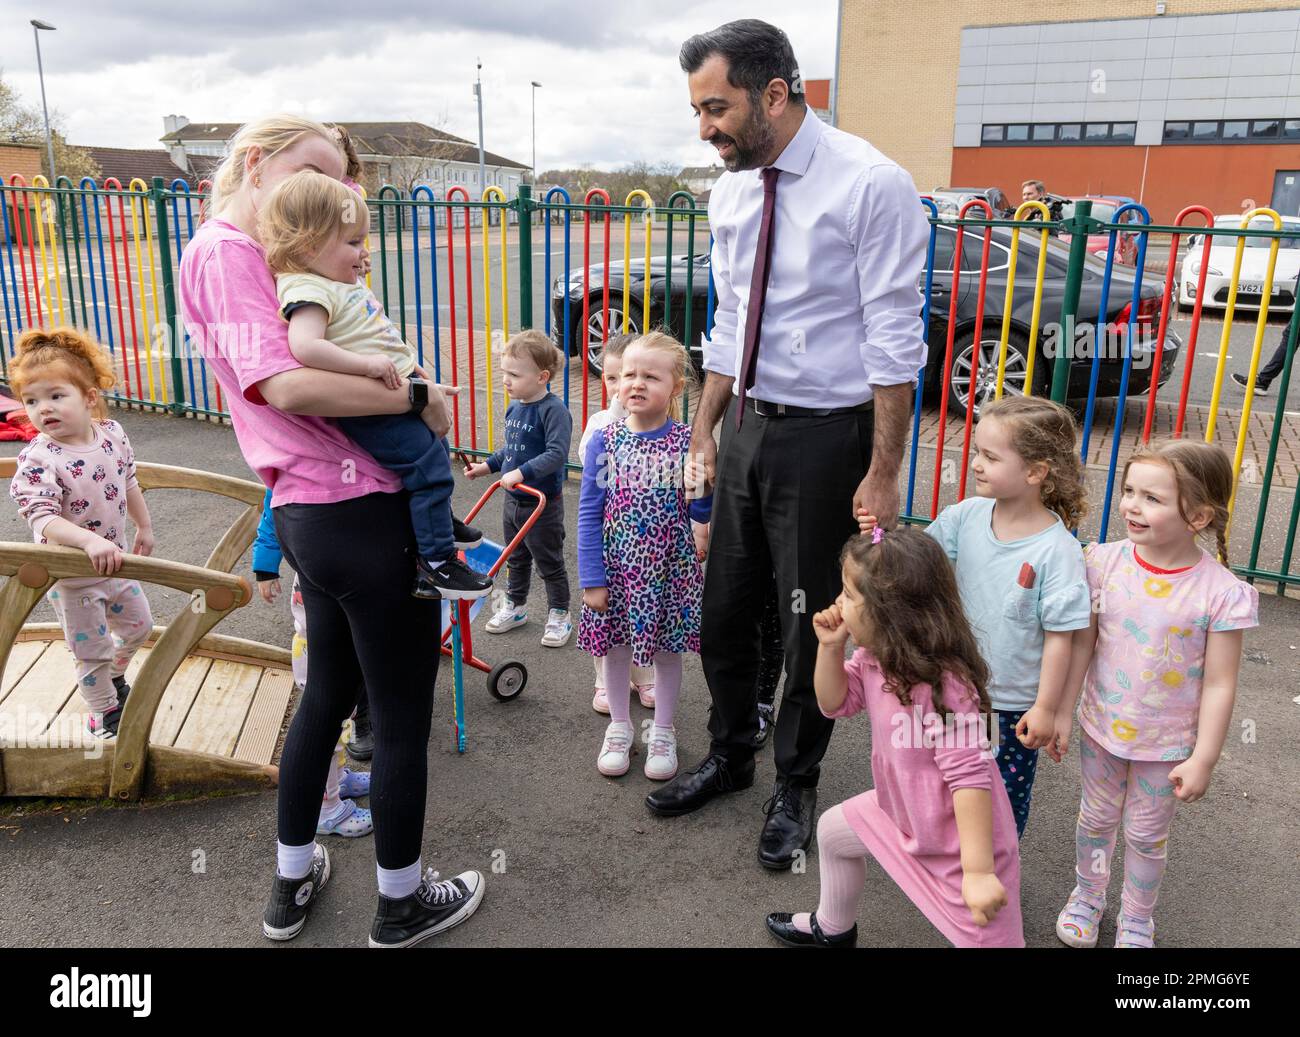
point(637, 560)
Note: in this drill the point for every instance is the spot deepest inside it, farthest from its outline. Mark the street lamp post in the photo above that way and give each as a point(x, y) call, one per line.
point(535, 86)
point(37, 26)
point(478, 94)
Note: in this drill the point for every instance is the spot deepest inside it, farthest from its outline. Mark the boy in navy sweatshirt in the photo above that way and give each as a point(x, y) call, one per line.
point(538, 431)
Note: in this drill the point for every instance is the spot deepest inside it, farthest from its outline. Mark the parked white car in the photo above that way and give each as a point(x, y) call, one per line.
point(1254, 267)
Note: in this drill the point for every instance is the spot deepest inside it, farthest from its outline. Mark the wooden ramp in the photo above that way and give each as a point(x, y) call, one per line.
point(205, 709)
point(216, 703)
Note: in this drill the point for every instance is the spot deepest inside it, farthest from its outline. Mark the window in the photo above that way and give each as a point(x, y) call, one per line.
point(972, 247)
point(1040, 133)
point(944, 243)
point(1250, 131)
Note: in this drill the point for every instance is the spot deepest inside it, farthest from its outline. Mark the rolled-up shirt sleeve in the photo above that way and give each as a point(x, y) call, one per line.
point(720, 345)
point(889, 232)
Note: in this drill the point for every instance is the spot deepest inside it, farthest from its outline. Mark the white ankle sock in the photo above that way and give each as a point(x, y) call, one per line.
point(396, 883)
point(294, 862)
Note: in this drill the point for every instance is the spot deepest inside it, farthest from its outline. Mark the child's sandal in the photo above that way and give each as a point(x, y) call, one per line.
point(354, 822)
point(354, 784)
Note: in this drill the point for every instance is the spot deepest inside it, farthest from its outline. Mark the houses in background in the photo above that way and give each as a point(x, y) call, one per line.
point(405, 154)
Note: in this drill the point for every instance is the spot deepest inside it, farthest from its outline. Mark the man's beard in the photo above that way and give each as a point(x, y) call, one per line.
point(751, 149)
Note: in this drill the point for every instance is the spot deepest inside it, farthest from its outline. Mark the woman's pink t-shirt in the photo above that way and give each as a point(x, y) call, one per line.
point(232, 315)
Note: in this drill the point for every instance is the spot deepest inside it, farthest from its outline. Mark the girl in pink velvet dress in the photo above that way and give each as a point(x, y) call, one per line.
point(938, 820)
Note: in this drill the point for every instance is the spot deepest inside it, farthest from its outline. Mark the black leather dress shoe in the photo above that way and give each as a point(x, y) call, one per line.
point(690, 790)
point(782, 927)
point(789, 825)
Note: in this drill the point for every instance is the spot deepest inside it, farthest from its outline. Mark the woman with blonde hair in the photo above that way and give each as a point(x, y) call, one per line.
point(345, 528)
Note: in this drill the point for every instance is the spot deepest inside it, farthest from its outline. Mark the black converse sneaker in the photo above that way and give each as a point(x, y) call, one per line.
point(453, 580)
point(433, 908)
point(1260, 388)
point(467, 537)
point(286, 911)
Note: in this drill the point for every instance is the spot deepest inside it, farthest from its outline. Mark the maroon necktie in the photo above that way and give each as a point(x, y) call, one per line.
point(757, 291)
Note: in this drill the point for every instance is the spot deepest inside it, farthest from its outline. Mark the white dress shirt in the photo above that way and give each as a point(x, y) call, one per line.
point(843, 307)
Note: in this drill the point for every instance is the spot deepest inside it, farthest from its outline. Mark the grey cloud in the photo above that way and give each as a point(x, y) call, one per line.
point(90, 34)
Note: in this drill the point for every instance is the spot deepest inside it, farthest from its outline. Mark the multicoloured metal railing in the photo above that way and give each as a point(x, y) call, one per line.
point(105, 258)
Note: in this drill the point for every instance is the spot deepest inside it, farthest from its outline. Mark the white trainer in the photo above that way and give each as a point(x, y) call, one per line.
point(661, 754)
point(616, 752)
point(559, 628)
point(599, 701)
point(508, 617)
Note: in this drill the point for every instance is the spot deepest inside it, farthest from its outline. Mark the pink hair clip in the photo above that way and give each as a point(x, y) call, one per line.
point(877, 535)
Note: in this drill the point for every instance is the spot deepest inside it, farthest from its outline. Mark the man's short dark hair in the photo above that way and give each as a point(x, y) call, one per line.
point(756, 54)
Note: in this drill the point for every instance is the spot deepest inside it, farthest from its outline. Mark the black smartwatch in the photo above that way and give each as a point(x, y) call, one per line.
point(418, 392)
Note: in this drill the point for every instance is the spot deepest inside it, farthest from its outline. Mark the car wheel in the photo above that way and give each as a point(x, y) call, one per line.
point(987, 372)
point(596, 335)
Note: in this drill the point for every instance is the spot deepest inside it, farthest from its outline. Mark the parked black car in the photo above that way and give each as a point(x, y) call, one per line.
point(1050, 335)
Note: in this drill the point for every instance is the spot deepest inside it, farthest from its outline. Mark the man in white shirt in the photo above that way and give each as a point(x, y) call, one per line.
point(810, 367)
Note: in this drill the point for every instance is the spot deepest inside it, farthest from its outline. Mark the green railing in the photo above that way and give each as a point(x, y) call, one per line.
point(459, 275)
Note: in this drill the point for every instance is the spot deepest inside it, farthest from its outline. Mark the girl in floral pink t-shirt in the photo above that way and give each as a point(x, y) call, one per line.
point(75, 486)
point(1158, 670)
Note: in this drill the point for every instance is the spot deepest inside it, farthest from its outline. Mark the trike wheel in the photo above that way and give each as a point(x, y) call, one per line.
point(507, 680)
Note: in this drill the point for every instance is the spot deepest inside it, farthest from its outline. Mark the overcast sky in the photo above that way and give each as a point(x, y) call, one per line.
point(612, 91)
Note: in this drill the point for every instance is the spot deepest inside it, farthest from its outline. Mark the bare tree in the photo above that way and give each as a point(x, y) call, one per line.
point(24, 124)
point(657, 179)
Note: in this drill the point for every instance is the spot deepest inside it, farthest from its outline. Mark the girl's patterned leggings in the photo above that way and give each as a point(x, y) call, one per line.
point(1140, 793)
point(104, 621)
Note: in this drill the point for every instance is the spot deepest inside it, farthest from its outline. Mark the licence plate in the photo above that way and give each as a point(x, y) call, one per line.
point(1250, 289)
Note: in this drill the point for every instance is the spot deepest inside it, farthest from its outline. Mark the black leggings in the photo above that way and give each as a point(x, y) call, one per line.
point(354, 562)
